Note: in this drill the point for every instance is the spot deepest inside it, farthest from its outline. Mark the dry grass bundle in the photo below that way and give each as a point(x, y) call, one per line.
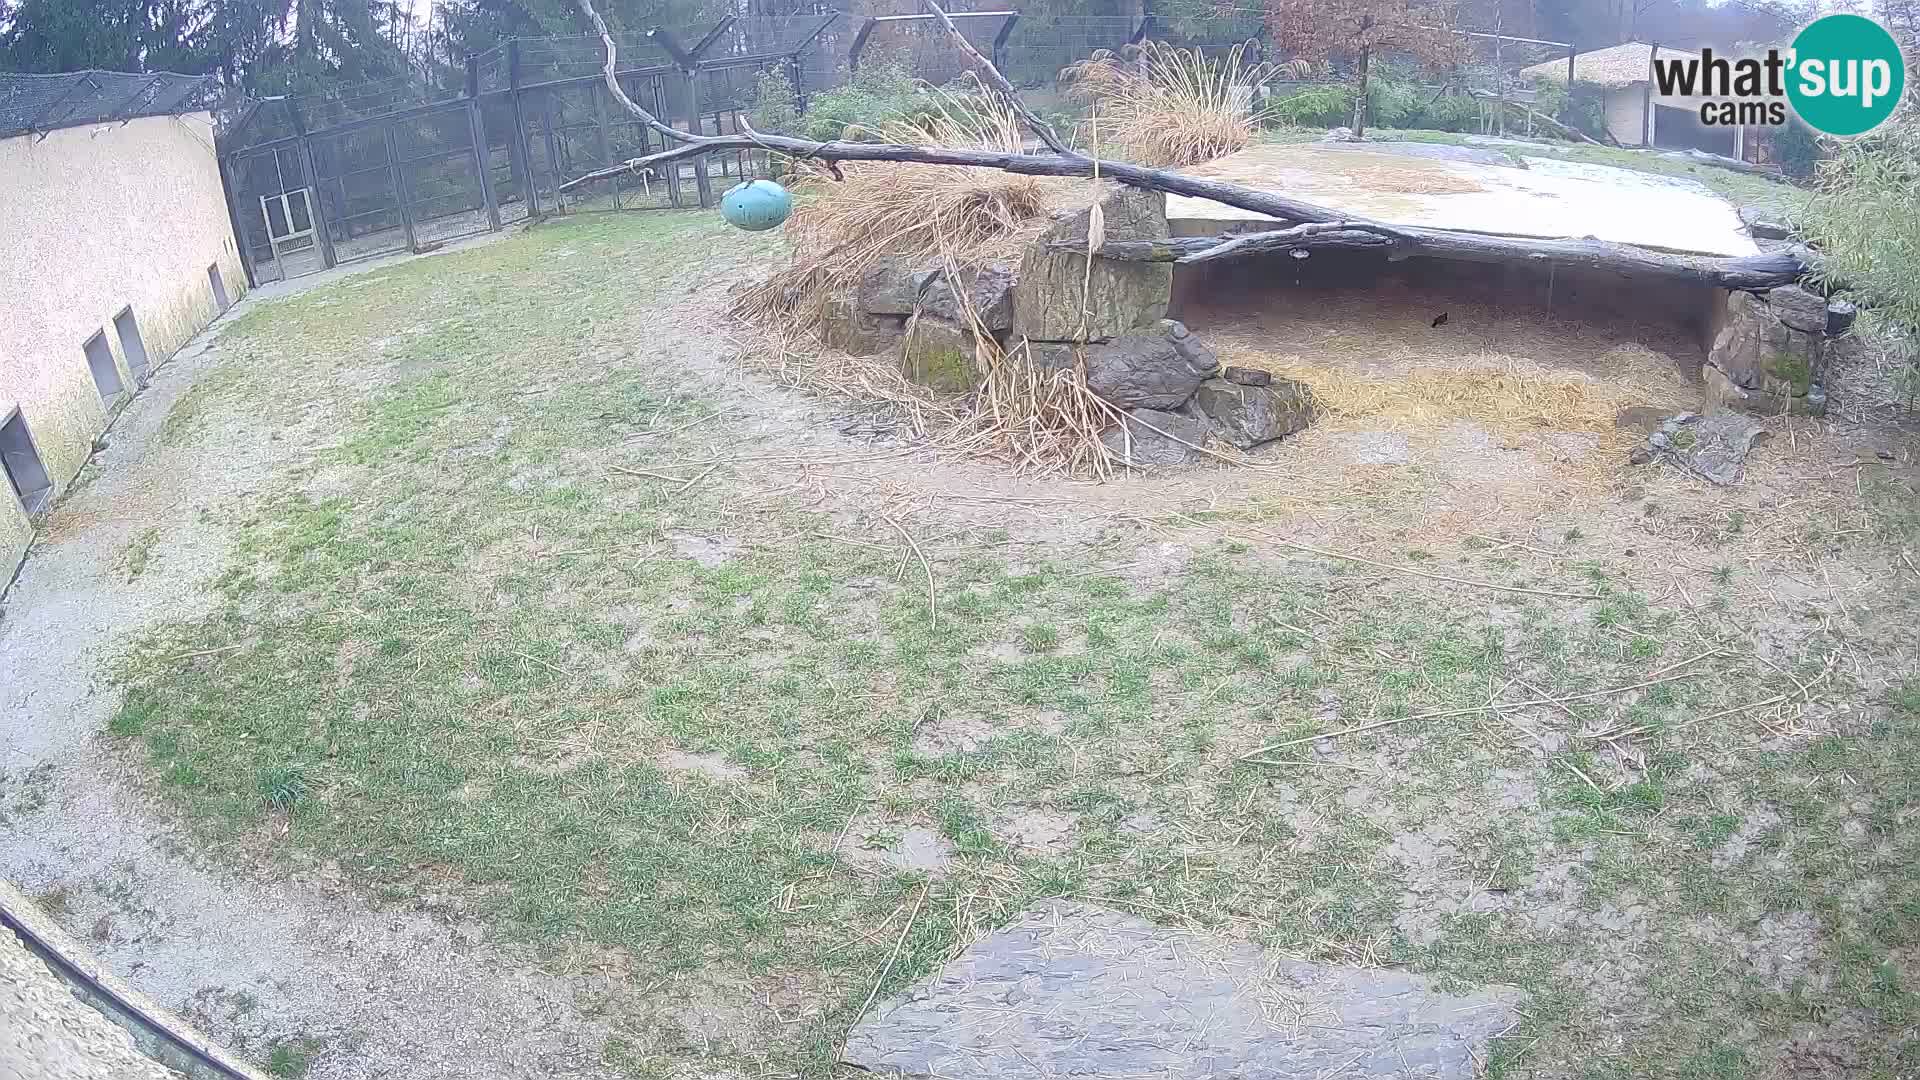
point(1169, 106)
point(1039, 422)
point(1507, 395)
point(936, 215)
point(840, 227)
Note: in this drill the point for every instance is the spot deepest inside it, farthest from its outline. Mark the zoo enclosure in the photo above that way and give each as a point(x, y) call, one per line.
point(408, 164)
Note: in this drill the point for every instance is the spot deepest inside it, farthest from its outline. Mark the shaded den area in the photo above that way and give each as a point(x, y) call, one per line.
point(1540, 346)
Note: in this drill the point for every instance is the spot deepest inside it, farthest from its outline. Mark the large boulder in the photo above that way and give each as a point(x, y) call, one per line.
point(987, 289)
point(1058, 299)
point(1764, 226)
point(1799, 308)
point(1713, 447)
point(892, 286)
point(1156, 437)
point(938, 355)
point(1158, 368)
point(1247, 416)
point(1761, 364)
point(845, 327)
point(1069, 989)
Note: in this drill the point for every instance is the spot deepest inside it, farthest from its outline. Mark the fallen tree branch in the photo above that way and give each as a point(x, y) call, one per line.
point(1755, 272)
point(999, 84)
point(613, 82)
point(1342, 230)
point(1260, 202)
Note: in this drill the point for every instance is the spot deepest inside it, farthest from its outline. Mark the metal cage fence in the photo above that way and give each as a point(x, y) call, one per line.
point(405, 163)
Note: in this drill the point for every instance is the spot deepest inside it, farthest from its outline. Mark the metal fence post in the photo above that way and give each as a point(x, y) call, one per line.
point(553, 149)
point(860, 43)
point(517, 148)
point(1499, 82)
point(657, 85)
point(232, 184)
point(700, 180)
point(1000, 41)
point(597, 92)
point(316, 206)
point(1646, 99)
point(399, 187)
point(477, 126)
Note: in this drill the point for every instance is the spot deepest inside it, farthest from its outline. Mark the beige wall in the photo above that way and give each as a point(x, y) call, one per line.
point(92, 220)
point(1626, 106)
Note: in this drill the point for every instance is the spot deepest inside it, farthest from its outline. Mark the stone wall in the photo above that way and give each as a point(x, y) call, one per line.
point(1770, 350)
point(1107, 318)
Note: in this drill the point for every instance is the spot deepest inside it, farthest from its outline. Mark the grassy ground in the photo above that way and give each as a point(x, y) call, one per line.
point(690, 729)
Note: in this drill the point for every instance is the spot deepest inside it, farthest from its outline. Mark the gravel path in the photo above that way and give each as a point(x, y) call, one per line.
point(413, 994)
point(48, 1034)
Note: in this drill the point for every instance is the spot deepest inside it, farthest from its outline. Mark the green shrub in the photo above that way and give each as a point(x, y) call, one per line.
point(1796, 149)
point(1450, 112)
point(776, 104)
point(1586, 110)
point(883, 89)
point(1314, 106)
point(1392, 103)
point(1864, 224)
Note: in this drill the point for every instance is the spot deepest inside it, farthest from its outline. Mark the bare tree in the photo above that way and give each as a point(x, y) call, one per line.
point(1360, 30)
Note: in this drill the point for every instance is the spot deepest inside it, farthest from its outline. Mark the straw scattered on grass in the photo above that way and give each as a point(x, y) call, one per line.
point(941, 216)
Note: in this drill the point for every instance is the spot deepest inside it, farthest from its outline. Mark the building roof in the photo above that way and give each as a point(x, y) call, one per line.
point(1619, 65)
point(43, 103)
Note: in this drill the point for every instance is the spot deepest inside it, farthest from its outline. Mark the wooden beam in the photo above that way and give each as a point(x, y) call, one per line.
point(1752, 272)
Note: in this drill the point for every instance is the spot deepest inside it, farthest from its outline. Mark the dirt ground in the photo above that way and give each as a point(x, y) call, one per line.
point(465, 668)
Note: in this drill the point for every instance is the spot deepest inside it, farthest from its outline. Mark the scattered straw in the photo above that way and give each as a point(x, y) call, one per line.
point(1503, 393)
point(842, 226)
point(939, 217)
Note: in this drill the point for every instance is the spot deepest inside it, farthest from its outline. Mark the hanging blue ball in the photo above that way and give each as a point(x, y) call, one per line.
point(756, 206)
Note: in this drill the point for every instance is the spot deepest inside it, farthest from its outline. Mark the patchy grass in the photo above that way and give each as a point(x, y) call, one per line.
point(139, 552)
point(457, 652)
point(291, 1058)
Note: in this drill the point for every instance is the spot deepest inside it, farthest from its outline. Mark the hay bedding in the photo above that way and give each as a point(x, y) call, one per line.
point(1364, 371)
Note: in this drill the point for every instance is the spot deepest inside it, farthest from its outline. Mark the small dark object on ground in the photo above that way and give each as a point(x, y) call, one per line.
point(1840, 316)
point(1440, 319)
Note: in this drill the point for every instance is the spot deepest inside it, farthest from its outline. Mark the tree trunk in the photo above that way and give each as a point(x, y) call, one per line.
point(1360, 94)
point(1754, 272)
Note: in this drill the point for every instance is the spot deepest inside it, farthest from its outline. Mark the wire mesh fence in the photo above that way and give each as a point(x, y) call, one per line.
point(38, 104)
point(407, 163)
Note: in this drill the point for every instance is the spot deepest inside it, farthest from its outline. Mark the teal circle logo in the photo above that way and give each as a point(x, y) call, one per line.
point(1848, 75)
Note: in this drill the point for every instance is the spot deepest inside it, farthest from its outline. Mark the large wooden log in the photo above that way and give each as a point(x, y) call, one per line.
point(1260, 202)
point(1752, 272)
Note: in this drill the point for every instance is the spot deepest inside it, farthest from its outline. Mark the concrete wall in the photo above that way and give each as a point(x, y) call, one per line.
point(1626, 109)
point(93, 220)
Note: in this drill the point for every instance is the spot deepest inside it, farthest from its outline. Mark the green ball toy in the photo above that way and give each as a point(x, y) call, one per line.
point(756, 206)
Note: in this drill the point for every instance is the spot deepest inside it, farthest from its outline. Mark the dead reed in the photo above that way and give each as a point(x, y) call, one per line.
point(944, 217)
point(1167, 106)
